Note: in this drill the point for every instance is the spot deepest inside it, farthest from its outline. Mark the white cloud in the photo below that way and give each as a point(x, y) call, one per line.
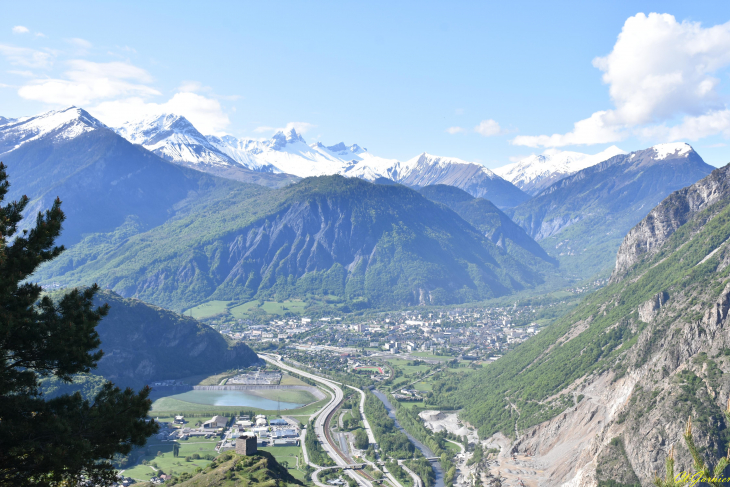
point(659, 70)
point(193, 87)
point(455, 130)
point(80, 43)
point(593, 130)
point(691, 128)
point(19, 29)
point(88, 82)
point(488, 128)
point(300, 127)
point(205, 113)
point(23, 56)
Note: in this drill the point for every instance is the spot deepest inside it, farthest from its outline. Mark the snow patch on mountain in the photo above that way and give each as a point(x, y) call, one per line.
point(677, 149)
point(536, 172)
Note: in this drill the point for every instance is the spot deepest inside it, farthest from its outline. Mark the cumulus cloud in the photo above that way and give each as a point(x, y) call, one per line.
point(19, 29)
point(455, 130)
point(593, 130)
point(488, 128)
point(87, 82)
point(205, 113)
point(659, 70)
point(29, 58)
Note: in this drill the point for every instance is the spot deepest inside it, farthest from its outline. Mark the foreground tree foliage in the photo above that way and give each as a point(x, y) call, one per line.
point(703, 472)
point(65, 439)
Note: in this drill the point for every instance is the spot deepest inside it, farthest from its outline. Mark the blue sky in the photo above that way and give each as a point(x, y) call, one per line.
point(479, 81)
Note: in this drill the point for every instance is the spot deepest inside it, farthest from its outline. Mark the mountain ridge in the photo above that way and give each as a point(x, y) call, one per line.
point(582, 218)
point(329, 235)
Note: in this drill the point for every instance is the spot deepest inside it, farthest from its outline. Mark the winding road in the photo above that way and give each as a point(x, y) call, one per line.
point(321, 421)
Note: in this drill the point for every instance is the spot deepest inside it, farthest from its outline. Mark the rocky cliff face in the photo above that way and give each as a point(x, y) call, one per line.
point(620, 375)
point(649, 235)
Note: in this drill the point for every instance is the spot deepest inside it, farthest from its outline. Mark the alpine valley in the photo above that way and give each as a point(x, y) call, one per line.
point(554, 321)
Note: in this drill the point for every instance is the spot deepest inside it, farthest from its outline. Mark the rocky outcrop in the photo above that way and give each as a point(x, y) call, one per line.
point(650, 308)
point(648, 236)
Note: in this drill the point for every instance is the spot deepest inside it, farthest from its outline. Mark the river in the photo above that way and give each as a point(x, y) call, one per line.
point(437, 468)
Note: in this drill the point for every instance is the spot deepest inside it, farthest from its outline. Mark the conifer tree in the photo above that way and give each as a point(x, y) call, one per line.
point(703, 472)
point(58, 441)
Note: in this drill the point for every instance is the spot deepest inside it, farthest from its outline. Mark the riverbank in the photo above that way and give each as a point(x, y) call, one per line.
point(426, 451)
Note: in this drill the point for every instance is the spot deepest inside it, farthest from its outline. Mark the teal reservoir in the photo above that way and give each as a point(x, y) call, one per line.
point(233, 398)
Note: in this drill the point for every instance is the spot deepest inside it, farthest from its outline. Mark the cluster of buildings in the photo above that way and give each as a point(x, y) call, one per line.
point(276, 432)
point(478, 335)
point(408, 395)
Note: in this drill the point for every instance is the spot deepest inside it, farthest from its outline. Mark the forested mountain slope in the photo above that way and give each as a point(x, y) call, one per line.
point(582, 218)
point(366, 243)
point(488, 219)
point(632, 362)
point(143, 343)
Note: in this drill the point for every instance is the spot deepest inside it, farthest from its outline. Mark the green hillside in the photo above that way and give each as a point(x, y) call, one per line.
point(230, 469)
point(488, 219)
point(363, 243)
point(666, 299)
point(143, 343)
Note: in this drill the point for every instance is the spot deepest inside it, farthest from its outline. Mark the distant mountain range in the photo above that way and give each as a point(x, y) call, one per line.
point(535, 173)
point(122, 199)
point(286, 157)
point(174, 138)
point(582, 218)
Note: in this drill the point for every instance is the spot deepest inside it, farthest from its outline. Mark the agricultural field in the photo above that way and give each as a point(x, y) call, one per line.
point(243, 310)
point(407, 369)
point(294, 306)
point(423, 386)
point(430, 356)
point(214, 308)
point(206, 310)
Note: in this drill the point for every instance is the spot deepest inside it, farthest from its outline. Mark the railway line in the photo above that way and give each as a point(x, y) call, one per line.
point(322, 422)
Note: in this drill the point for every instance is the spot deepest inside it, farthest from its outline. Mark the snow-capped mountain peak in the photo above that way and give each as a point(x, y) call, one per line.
point(283, 137)
point(432, 161)
point(174, 138)
point(538, 171)
point(58, 124)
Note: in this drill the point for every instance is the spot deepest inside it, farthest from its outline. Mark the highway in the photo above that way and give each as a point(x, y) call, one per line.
point(321, 421)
